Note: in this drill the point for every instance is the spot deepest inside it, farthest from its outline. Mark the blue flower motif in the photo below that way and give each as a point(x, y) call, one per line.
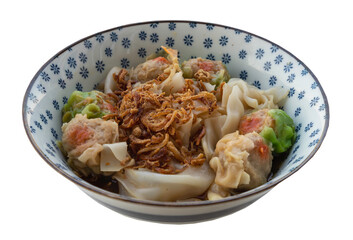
point(126, 43)
point(193, 57)
point(65, 99)
point(60, 166)
point(188, 40)
point(209, 27)
point(315, 132)
point(108, 52)
point(169, 42)
point(142, 52)
point(223, 41)
point(308, 127)
point(49, 114)
point(274, 48)
point(298, 159)
point(248, 38)
point(99, 38)
point(69, 49)
point(314, 85)
point(50, 153)
point(278, 59)
point(41, 88)
point(87, 44)
point(45, 76)
point(55, 68)
point(207, 43)
point(159, 49)
point(301, 95)
point(33, 130)
point(33, 98)
point(43, 118)
point(54, 144)
point(257, 84)
point(62, 83)
point(113, 37)
point(267, 66)
point(154, 25)
point(291, 92)
point(71, 62)
point(322, 107)
point(171, 26)
point(304, 72)
point(100, 66)
point(288, 67)
point(84, 72)
point(243, 75)
point(154, 37)
point(314, 101)
point(125, 63)
point(79, 86)
point(143, 35)
point(38, 125)
point(211, 57)
point(29, 110)
point(313, 143)
point(54, 133)
point(56, 105)
point(298, 127)
point(192, 24)
point(226, 58)
point(296, 149)
point(297, 139)
point(82, 57)
point(237, 32)
point(259, 53)
point(68, 74)
point(272, 81)
point(242, 54)
point(291, 78)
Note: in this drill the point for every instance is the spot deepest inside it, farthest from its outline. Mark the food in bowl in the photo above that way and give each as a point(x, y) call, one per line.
point(171, 131)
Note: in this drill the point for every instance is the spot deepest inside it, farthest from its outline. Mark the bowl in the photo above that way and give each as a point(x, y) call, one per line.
point(260, 62)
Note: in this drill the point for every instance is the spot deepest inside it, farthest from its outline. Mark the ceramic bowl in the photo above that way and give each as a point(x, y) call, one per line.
point(262, 63)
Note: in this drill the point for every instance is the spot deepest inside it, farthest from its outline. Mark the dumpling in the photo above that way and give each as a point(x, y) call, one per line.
point(254, 98)
point(83, 138)
point(237, 98)
point(274, 125)
point(206, 70)
point(147, 185)
point(150, 69)
point(241, 162)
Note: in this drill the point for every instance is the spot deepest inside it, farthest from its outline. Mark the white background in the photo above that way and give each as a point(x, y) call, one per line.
point(315, 203)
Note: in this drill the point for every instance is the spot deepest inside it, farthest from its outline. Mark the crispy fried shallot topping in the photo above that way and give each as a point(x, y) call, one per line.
point(149, 122)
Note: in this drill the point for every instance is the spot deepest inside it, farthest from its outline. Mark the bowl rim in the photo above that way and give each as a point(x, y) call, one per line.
point(87, 186)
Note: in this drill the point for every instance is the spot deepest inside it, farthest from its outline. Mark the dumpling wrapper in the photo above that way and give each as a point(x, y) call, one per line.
point(109, 83)
point(112, 157)
point(147, 185)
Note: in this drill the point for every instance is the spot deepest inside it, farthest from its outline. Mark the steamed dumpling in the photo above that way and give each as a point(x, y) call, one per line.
point(148, 185)
point(83, 138)
point(240, 162)
point(237, 98)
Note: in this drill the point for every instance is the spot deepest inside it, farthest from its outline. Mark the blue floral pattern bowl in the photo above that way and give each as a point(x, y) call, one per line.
point(82, 65)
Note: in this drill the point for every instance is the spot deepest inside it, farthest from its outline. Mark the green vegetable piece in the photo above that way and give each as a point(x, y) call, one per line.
point(221, 76)
point(187, 71)
point(90, 103)
point(92, 111)
point(283, 135)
